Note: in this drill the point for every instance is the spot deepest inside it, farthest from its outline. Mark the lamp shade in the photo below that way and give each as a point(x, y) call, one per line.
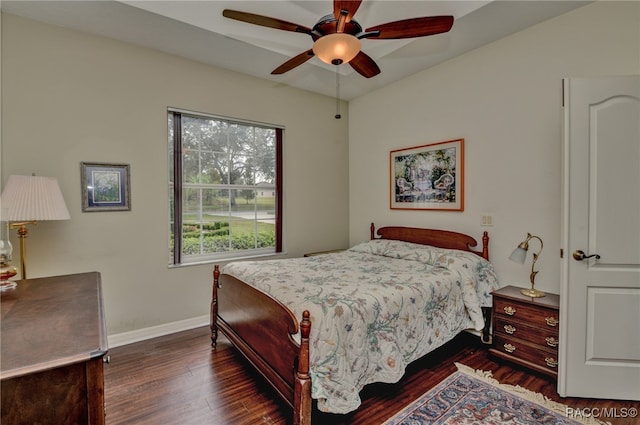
point(33, 198)
point(337, 48)
point(518, 255)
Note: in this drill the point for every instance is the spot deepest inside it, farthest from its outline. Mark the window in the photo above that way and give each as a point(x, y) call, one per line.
point(219, 172)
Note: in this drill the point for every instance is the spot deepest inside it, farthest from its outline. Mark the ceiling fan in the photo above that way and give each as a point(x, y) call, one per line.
point(337, 36)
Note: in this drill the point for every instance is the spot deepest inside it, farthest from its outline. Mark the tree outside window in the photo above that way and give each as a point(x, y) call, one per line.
point(217, 167)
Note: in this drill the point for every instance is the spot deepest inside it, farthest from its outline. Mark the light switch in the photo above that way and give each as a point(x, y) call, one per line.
point(486, 220)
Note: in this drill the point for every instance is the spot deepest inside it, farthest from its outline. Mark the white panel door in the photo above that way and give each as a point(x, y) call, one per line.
point(600, 295)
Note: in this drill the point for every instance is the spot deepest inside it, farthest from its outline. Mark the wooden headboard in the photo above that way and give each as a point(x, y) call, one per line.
point(433, 237)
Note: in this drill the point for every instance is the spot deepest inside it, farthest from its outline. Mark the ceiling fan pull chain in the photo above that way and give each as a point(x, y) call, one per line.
point(338, 116)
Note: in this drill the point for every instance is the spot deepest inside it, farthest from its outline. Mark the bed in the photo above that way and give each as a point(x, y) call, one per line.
point(375, 308)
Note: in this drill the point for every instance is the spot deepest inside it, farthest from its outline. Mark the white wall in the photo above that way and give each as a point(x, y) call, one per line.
point(504, 99)
point(69, 97)
point(1, 180)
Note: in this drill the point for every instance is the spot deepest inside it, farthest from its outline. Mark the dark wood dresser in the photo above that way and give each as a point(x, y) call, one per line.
point(525, 329)
point(53, 339)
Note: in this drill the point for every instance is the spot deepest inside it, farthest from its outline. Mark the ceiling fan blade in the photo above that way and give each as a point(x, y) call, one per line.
point(293, 62)
point(351, 6)
point(265, 21)
point(364, 65)
point(409, 28)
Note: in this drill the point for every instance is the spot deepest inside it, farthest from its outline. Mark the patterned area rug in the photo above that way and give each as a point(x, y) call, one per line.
point(474, 397)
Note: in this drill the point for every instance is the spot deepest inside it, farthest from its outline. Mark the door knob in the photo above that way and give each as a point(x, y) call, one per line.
point(579, 255)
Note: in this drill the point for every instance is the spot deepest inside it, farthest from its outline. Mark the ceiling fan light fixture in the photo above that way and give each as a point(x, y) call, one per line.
point(337, 48)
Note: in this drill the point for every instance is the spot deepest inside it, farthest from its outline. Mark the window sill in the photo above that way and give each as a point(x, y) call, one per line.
point(274, 255)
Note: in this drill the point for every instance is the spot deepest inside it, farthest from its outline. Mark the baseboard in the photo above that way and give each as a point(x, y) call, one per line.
point(138, 335)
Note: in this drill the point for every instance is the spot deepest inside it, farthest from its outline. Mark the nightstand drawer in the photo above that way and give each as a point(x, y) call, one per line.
point(534, 315)
point(538, 357)
point(547, 336)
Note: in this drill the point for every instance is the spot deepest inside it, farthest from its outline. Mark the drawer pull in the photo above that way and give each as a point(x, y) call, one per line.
point(509, 310)
point(509, 329)
point(551, 341)
point(551, 362)
point(551, 321)
point(509, 348)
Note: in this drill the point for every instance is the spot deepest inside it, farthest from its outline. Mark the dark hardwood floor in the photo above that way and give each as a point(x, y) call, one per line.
point(180, 379)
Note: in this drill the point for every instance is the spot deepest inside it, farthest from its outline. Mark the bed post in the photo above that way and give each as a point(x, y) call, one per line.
point(214, 306)
point(372, 230)
point(487, 312)
point(485, 245)
point(302, 386)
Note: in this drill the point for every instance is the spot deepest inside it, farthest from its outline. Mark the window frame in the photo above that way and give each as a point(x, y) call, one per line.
point(177, 185)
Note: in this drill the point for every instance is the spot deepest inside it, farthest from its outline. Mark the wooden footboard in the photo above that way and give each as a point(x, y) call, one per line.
point(255, 323)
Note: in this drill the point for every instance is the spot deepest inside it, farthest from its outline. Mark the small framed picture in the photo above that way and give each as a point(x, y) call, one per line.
point(105, 187)
point(428, 177)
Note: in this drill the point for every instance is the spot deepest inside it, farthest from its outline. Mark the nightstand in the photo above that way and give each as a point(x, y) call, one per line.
point(525, 329)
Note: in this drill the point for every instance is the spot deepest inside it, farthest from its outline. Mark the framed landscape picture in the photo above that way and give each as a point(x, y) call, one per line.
point(105, 187)
point(428, 177)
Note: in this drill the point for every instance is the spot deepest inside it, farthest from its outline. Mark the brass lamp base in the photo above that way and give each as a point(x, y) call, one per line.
point(533, 293)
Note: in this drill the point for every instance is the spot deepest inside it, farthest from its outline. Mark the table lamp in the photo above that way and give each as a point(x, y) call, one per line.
point(27, 200)
point(519, 255)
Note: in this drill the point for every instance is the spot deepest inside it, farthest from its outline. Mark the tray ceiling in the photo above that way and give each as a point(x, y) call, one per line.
point(197, 30)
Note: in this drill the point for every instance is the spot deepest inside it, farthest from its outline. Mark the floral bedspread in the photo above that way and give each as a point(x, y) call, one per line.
point(374, 308)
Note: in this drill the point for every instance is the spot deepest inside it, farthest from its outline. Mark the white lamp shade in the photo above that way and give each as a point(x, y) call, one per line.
point(336, 48)
point(518, 255)
point(33, 198)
